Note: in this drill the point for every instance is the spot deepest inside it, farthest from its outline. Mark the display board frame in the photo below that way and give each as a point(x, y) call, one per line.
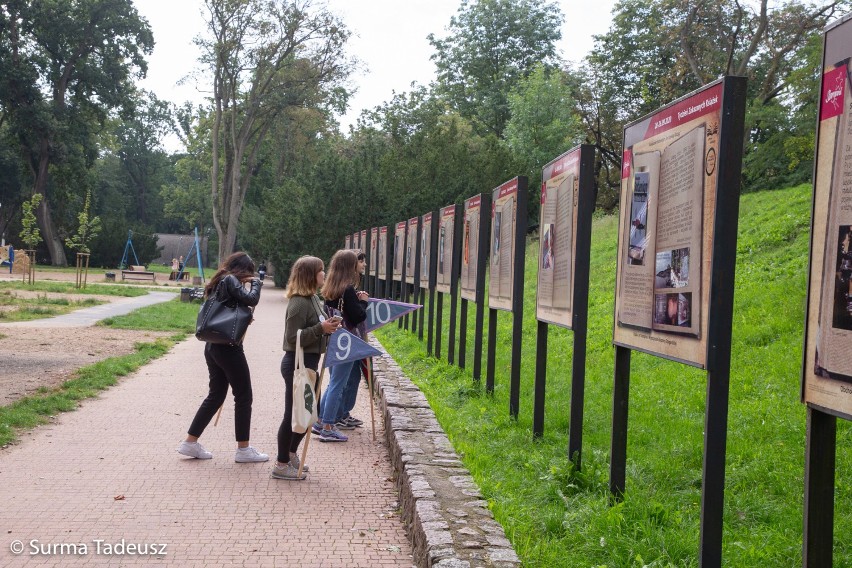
point(445, 249)
point(713, 118)
point(826, 375)
point(382, 261)
point(372, 260)
point(347, 242)
point(474, 266)
point(398, 252)
point(432, 275)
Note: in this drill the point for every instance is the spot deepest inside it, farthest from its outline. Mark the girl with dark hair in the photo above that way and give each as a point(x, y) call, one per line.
point(227, 366)
point(340, 295)
point(304, 312)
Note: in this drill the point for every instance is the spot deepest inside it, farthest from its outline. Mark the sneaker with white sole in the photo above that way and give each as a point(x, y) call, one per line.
point(352, 421)
point(316, 428)
point(287, 472)
point(343, 425)
point(294, 461)
point(249, 455)
point(332, 435)
point(193, 450)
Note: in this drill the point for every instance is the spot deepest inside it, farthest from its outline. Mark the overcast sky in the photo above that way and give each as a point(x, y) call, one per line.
point(389, 37)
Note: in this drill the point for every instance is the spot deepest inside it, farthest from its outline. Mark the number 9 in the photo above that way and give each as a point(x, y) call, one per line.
point(344, 338)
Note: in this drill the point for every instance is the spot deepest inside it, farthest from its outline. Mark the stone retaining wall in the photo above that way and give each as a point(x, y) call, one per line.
point(447, 520)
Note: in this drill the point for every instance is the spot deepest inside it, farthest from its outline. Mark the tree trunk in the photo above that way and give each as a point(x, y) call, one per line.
point(43, 216)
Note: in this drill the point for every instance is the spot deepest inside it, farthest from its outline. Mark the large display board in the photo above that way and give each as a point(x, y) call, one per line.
point(425, 249)
point(560, 190)
point(381, 253)
point(362, 240)
point(470, 247)
point(827, 367)
point(504, 208)
point(668, 203)
point(372, 257)
point(398, 251)
point(411, 248)
point(347, 242)
point(446, 230)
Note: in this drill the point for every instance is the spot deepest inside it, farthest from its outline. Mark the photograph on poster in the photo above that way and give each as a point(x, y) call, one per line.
point(672, 309)
point(501, 277)
point(425, 250)
point(665, 224)
point(382, 253)
point(558, 233)
point(445, 249)
point(470, 247)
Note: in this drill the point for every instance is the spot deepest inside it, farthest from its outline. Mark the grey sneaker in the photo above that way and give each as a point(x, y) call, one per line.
point(287, 472)
point(249, 455)
point(352, 421)
point(294, 461)
point(193, 450)
point(332, 435)
point(343, 425)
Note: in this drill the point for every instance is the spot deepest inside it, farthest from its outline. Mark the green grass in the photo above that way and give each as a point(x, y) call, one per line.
point(25, 309)
point(87, 383)
point(68, 288)
point(173, 315)
point(557, 516)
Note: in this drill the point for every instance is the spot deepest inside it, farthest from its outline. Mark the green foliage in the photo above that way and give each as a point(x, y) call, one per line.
point(556, 515)
point(69, 288)
point(490, 46)
point(30, 234)
point(87, 230)
point(168, 316)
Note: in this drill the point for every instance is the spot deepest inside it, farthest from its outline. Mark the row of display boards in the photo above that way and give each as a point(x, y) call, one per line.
point(680, 184)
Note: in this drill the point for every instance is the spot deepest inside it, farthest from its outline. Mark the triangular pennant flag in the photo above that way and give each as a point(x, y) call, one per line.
point(344, 347)
point(381, 312)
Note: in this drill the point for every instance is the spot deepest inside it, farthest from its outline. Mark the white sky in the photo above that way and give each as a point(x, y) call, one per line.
point(389, 37)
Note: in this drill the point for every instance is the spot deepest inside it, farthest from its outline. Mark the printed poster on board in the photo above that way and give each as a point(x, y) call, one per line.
point(411, 248)
point(382, 253)
point(504, 206)
point(372, 256)
point(446, 230)
point(347, 242)
point(425, 250)
point(668, 190)
point(560, 190)
point(470, 247)
point(398, 251)
point(362, 240)
point(827, 368)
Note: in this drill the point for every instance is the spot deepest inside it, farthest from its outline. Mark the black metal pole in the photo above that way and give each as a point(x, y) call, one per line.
point(492, 349)
point(518, 296)
point(462, 332)
point(540, 379)
point(820, 455)
point(618, 445)
point(439, 316)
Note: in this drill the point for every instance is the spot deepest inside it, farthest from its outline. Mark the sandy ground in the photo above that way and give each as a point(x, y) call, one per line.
point(31, 357)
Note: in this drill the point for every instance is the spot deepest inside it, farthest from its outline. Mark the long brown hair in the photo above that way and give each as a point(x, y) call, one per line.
point(342, 272)
point(303, 277)
point(239, 264)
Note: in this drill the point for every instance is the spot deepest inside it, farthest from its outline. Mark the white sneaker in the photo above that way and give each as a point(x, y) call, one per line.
point(249, 455)
point(193, 450)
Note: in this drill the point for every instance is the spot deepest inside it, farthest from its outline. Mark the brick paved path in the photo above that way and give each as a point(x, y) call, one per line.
point(59, 485)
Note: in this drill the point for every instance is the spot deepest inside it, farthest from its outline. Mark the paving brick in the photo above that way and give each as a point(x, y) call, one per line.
point(60, 483)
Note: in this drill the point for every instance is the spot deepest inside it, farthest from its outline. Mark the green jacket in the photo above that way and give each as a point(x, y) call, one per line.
point(303, 312)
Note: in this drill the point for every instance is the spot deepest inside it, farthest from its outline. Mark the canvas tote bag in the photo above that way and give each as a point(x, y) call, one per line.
point(304, 392)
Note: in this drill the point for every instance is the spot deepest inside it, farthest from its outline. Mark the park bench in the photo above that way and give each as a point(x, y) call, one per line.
point(138, 273)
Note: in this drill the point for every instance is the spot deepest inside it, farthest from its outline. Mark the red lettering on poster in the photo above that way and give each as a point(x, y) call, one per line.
point(833, 93)
point(626, 160)
point(705, 102)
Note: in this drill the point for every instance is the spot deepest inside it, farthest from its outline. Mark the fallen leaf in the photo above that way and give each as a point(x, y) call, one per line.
point(119, 498)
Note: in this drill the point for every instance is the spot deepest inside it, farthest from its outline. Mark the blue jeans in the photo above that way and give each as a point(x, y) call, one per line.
point(331, 401)
point(350, 391)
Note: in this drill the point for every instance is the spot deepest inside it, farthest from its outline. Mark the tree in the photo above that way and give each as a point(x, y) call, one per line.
point(491, 45)
point(265, 56)
point(88, 228)
point(63, 65)
point(30, 234)
point(544, 124)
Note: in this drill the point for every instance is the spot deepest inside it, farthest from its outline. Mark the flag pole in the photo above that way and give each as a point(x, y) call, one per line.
point(370, 389)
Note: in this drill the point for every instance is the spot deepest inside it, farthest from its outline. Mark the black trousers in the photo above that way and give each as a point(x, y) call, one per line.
point(288, 441)
point(227, 366)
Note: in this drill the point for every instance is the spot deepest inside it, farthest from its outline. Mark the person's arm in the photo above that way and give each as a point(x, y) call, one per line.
point(298, 312)
point(235, 290)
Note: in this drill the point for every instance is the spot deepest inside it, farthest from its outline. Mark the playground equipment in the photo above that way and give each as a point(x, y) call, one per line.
point(197, 248)
point(128, 247)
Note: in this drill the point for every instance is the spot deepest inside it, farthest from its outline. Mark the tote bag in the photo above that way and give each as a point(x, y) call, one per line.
point(304, 392)
point(223, 322)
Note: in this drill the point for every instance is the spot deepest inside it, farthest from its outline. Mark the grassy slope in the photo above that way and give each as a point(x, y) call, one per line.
point(559, 517)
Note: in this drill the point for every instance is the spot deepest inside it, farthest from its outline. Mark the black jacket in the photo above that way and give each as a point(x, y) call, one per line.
point(354, 310)
point(233, 288)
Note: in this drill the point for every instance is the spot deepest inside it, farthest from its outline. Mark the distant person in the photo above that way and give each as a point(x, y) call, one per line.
point(304, 312)
point(261, 270)
point(11, 258)
point(181, 263)
point(227, 366)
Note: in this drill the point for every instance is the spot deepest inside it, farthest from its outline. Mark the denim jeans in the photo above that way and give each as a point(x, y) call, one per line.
point(350, 391)
point(331, 401)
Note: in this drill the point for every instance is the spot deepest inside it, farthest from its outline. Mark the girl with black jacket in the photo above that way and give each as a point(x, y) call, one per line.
point(227, 366)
